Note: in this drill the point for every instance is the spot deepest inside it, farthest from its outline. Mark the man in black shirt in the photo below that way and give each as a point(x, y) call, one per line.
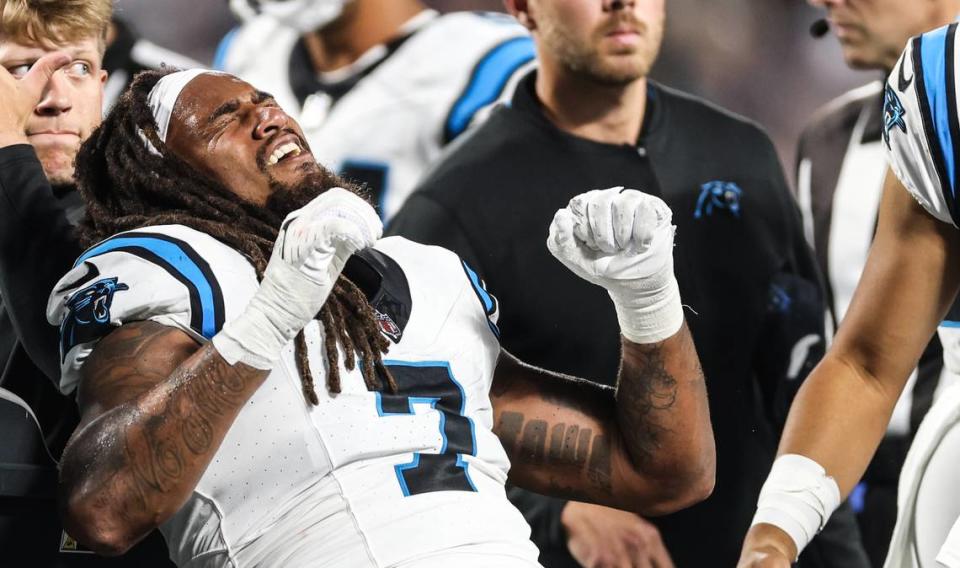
point(590, 118)
point(49, 104)
point(39, 203)
point(48, 112)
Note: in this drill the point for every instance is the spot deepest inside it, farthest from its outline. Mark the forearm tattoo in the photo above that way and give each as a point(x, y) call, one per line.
point(561, 446)
point(155, 443)
point(644, 401)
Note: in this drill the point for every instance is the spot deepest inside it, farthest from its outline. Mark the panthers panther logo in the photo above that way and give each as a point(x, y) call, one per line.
point(893, 113)
point(718, 195)
point(88, 316)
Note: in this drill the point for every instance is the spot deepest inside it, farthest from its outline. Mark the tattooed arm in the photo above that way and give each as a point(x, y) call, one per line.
point(154, 409)
point(646, 446)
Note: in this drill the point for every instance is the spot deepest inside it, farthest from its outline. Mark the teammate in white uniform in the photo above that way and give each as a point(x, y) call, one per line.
point(911, 278)
point(378, 109)
point(195, 381)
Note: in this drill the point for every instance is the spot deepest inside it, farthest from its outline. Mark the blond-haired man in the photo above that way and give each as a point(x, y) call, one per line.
point(51, 92)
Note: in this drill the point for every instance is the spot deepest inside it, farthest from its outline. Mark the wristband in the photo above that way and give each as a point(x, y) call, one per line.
point(798, 497)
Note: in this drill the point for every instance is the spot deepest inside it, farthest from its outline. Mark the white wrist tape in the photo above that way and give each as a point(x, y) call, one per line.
point(286, 301)
point(798, 497)
point(653, 318)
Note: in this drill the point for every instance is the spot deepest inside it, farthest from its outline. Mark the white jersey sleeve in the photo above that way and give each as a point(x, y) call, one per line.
point(160, 274)
point(921, 129)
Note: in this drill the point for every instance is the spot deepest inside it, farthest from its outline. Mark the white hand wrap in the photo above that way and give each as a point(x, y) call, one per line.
point(798, 497)
point(314, 243)
point(622, 240)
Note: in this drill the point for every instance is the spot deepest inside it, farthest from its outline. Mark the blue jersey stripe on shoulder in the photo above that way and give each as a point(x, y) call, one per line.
point(487, 81)
point(927, 119)
point(184, 264)
point(952, 115)
point(478, 287)
point(487, 300)
point(933, 58)
point(220, 56)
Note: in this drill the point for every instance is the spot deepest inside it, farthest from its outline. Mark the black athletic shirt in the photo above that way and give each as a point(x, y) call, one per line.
point(743, 266)
point(37, 246)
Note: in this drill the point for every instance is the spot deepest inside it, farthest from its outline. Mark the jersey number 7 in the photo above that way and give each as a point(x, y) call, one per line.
point(432, 382)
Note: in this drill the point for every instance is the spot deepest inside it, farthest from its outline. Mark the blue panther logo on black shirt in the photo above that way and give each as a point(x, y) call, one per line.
point(893, 113)
point(718, 195)
point(89, 314)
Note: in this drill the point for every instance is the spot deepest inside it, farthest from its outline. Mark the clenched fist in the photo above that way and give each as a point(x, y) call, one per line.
point(622, 240)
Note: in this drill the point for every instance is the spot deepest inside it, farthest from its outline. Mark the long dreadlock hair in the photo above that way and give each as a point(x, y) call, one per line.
point(125, 186)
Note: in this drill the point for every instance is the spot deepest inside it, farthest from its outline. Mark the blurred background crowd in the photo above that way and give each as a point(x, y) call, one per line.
point(754, 57)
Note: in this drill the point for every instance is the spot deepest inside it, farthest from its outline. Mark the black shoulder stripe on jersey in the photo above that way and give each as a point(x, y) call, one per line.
point(196, 312)
point(487, 300)
point(384, 283)
point(936, 151)
point(182, 262)
point(952, 117)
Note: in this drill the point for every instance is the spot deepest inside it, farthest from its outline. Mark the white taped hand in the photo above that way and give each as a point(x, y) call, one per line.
point(311, 250)
point(318, 238)
point(622, 240)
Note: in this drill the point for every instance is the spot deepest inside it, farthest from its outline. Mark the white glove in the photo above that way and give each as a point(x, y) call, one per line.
point(314, 244)
point(622, 240)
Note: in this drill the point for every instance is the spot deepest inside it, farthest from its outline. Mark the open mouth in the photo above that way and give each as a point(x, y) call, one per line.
point(287, 147)
point(284, 151)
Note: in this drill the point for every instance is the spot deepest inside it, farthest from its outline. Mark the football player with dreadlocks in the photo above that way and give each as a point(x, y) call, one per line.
point(228, 271)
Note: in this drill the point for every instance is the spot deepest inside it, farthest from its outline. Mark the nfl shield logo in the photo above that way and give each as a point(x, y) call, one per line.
point(387, 326)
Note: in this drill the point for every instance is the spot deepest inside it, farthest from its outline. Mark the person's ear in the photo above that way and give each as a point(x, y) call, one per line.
point(520, 9)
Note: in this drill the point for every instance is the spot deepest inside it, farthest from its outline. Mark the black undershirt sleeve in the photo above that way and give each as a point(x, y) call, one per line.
point(37, 247)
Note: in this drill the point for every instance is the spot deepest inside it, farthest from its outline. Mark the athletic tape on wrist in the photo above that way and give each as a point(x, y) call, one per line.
point(798, 497)
point(659, 318)
point(286, 301)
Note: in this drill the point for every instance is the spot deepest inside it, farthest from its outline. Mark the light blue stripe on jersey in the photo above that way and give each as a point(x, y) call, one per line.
point(220, 56)
point(489, 78)
point(177, 258)
point(948, 323)
point(933, 57)
point(480, 290)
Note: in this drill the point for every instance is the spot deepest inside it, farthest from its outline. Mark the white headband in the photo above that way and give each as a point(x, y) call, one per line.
point(164, 96)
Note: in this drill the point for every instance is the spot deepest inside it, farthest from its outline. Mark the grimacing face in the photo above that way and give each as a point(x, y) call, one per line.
point(873, 33)
point(239, 137)
point(610, 42)
point(71, 107)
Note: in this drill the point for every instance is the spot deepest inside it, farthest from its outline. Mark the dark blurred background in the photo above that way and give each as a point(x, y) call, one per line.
point(754, 57)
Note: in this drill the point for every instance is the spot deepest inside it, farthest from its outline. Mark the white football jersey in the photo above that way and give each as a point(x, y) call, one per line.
point(922, 136)
point(364, 478)
point(920, 129)
point(384, 119)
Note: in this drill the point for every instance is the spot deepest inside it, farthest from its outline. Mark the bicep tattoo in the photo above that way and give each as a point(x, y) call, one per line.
point(564, 448)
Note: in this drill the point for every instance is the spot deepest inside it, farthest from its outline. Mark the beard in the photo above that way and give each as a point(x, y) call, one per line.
point(583, 57)
point(286, 198)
